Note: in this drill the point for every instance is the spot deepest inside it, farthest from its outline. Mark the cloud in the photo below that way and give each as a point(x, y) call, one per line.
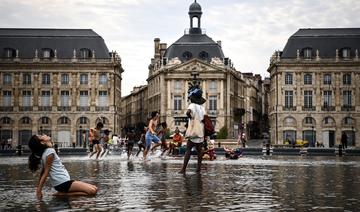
point(250, 30)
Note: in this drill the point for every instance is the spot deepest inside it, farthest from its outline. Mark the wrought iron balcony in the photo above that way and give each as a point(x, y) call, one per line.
point(45, 108)
point(292, 108)
point(63, 108)
point(7, 108)
point(347, 108)
point(328, 108)
point(102, 108)
point(25, 108)
point(308, 108)
point(83, 108)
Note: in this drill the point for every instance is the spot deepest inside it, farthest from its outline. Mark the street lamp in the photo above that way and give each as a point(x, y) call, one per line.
point(41, 132)
point(312, 136)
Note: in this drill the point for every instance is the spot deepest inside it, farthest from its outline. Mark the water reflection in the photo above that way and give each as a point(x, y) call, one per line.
point(248, 184)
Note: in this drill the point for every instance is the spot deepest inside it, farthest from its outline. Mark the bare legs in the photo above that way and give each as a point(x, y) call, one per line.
point(189, 146)
point(97, 150)
point(79, 188)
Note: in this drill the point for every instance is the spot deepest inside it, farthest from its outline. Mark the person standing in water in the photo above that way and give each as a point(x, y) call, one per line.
point(96, 140)
point(150, 135)
point(195, 130)
point(43, 153)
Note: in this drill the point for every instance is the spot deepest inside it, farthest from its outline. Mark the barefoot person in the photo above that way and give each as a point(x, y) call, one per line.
point(96, 140)
point(43, 153)
point(195, 129)
point(151, 134)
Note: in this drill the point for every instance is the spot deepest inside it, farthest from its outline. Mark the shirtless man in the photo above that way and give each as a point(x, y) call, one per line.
point(151, 134)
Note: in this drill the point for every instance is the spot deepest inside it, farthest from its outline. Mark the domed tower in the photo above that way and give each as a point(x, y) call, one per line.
point(195, 15)
point(195, 43)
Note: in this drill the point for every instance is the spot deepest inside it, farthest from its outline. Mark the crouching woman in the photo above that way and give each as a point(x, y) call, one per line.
point(42, 153)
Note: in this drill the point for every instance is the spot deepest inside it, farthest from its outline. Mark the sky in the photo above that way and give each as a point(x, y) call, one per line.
point(250, 30)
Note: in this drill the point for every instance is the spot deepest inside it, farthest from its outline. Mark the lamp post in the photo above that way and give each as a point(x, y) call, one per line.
point(80, 136)
point(312, 136)
point(41, 131)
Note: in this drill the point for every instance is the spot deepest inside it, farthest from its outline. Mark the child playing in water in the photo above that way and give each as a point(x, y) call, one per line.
point(43, 153)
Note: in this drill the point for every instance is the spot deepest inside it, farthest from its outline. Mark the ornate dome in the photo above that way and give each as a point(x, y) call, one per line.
point(195, 8)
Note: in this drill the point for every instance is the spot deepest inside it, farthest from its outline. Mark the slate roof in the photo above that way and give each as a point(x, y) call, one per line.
point(194, 43)
point(326, 40)
point(27, 40)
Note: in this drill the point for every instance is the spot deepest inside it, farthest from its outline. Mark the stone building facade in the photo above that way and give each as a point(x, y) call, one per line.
point(58, 82)
point(232, 97)
point(314, 92)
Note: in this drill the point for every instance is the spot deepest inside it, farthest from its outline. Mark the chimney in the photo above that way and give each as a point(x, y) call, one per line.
point(163, 47)
point(157, 48)
point(219, 42)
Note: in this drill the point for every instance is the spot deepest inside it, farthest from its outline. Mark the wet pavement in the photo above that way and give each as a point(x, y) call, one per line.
point(281, 183)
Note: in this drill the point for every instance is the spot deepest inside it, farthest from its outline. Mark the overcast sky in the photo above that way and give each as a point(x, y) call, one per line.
point(250, 30)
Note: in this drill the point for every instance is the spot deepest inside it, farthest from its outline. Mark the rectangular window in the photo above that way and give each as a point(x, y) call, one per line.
point(7, 79)
point(308, 99)
point(327, 79)
point(102, 79)
point(83, 79)
point(327, 98)
point(213, 85)
point(177, 102)
point(64, 79)
point(26, 79)
point(45, 98)
point(347, 98)
point(289, 99)
point(347, 79)
point(288, 79)
point(65, 98)
point(46, 79)
point(103, 98)
point(178, 85)
point(7, 98)
point(307, 79)
point(212, 102)
point(26, 98)
point(84, 99)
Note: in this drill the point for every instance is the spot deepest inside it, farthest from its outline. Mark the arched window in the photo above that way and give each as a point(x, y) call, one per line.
point(47, 53)
point(307, 53)
point(187, 55)
point(25, 120)
point(45, 120)
point(289, 121)
point(9, 53)
point(64, 120)
point(83, 120)
point(203, 55)
point(5, 120)
point(309, 121)
point(345, 53)
point(85, 53)
point(328, 121)
point(348, 121)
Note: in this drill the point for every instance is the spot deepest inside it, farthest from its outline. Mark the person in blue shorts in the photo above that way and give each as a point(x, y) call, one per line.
point(150, 135)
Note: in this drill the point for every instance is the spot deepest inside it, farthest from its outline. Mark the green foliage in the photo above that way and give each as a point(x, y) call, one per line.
point(223, 133)
point(168, 133)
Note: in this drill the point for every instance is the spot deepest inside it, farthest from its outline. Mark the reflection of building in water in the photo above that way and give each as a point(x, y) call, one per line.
point(232, 97)
point(56, 82)
point(314, 92)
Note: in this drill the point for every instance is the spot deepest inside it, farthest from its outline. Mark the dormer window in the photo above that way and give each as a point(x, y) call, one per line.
point(187, 55)
point(9, 53)
point(203, 55)
point(345, 53)
point(47, 53)
point(307, 52)
point(85, 53)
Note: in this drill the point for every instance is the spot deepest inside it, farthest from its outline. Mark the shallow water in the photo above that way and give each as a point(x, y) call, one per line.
point(284, 183)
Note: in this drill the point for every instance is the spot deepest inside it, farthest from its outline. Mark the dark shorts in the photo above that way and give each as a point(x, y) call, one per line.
point(95, 142)
point(64, 187)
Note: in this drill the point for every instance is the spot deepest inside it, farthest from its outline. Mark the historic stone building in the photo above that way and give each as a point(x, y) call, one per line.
point(314, 91)
point(232, 97)
point(58, 82)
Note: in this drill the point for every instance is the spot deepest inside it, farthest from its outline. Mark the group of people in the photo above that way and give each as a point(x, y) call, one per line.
point(44, 154)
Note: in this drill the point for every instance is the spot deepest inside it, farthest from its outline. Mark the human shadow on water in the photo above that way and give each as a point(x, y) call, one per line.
point(58, 203)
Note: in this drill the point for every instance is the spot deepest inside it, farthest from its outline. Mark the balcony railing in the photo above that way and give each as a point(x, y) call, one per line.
point(347, 108)
point(63, 108)
point(83, 108)
point(308, 108)
point(328, 108)
point(6, 108)
point(45, 108)
point(292, 108)
point(102, 108)
point(25, 108)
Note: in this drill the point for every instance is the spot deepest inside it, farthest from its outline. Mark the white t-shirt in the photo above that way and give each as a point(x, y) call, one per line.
point(197, 112)
point(58, 173)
